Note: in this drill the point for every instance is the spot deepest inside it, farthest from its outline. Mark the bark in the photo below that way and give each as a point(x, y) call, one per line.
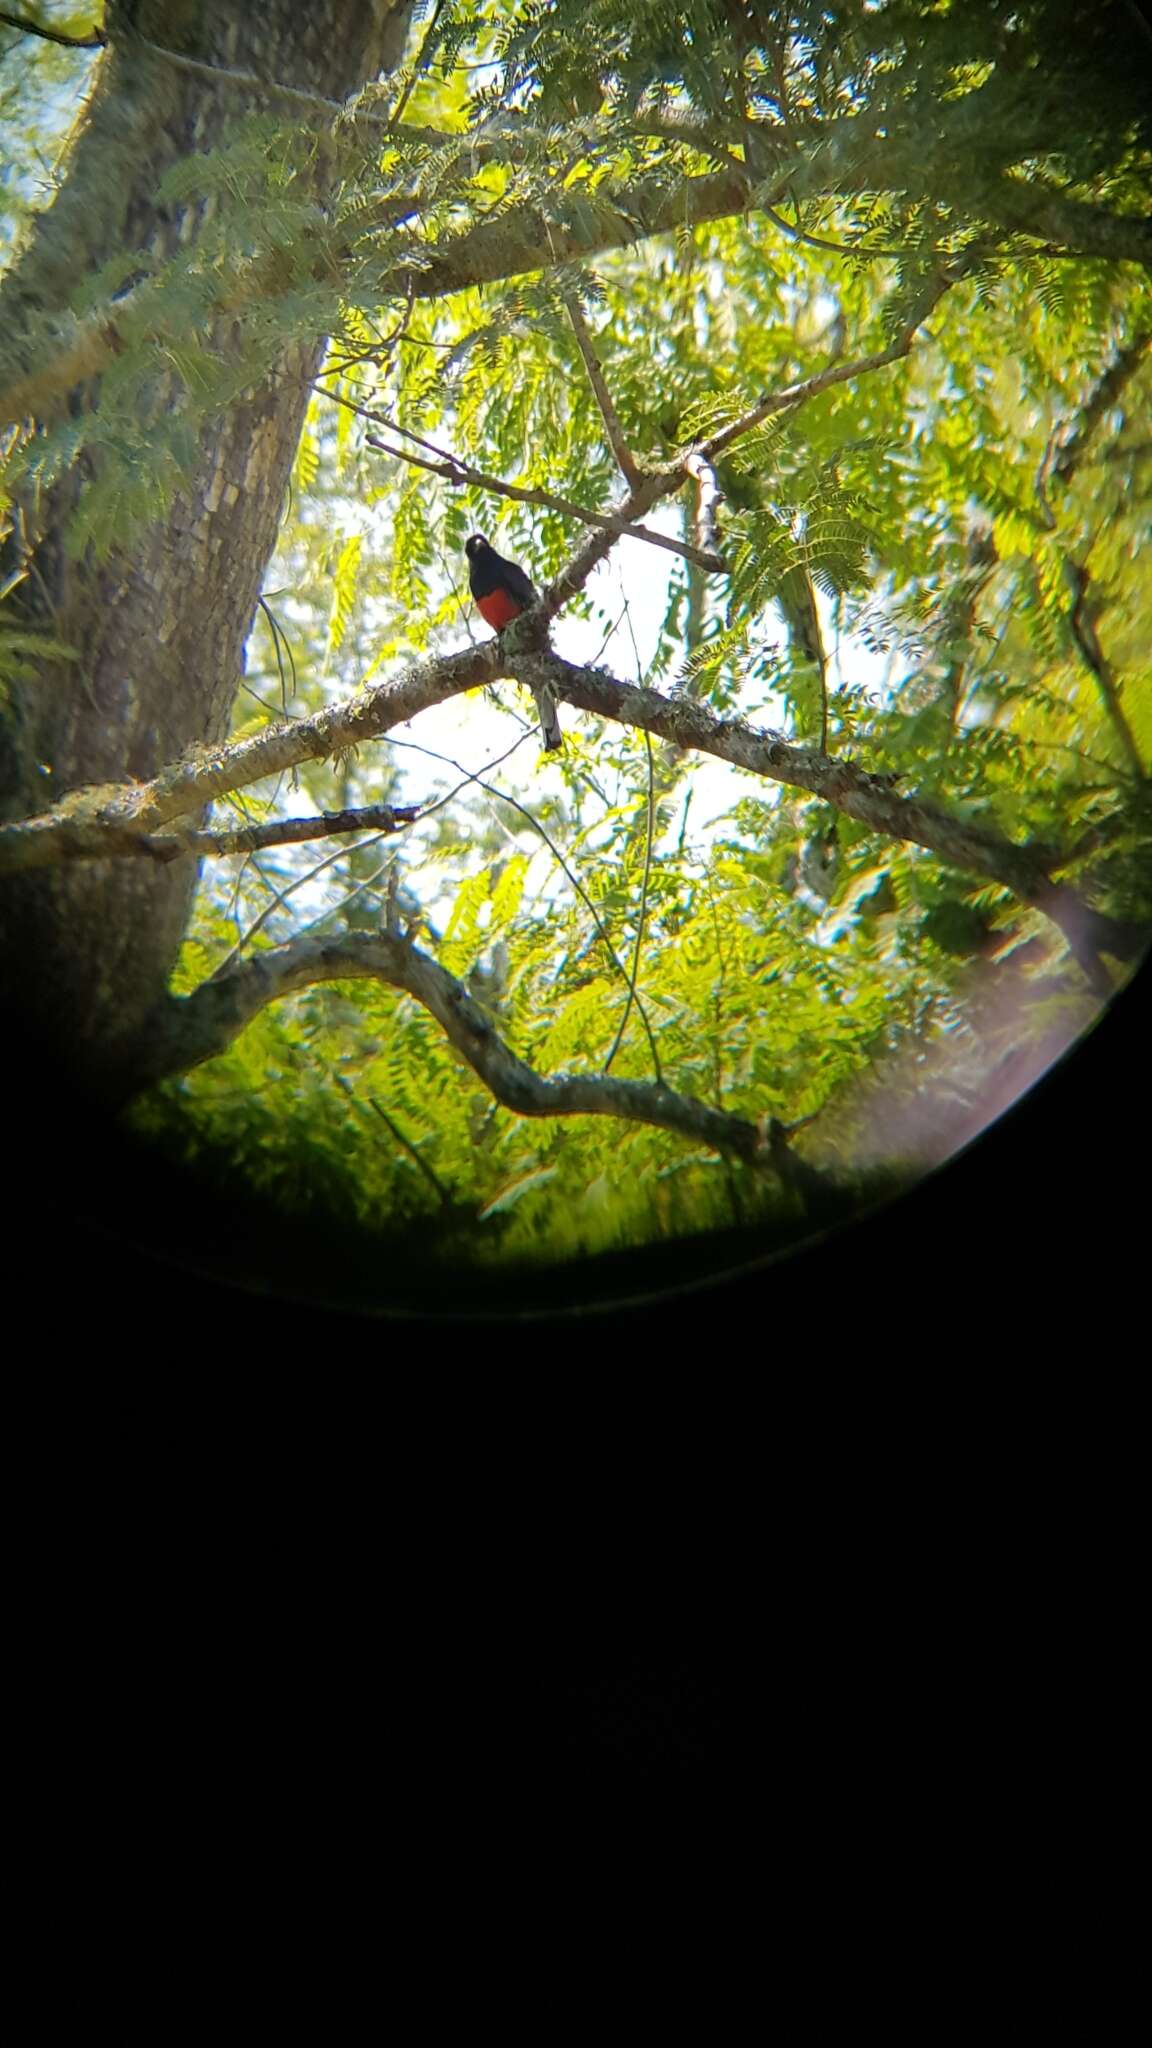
point(522, 240)
point(198, 1027)
point(90, 944)
point(127, 821)
point(85, 953)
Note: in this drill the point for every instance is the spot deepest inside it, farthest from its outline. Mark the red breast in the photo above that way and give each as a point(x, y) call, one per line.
point(498, 609)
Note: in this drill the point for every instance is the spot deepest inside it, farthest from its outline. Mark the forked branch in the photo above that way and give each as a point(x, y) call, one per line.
point(198, 1027)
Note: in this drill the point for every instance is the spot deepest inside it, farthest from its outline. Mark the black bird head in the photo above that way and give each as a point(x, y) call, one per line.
point(474, 545)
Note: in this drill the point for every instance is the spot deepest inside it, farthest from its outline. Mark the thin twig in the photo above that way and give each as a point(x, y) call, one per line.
point(603, 396)
point(467, 775)
point(459, 473)
point(279, 634)
point(423, 56)
point(1124, 365)
point(246, 938)
point(806, 633)
point(96, 39)
point(1083, 630)
point(361, 888)
point(465, 609)
point(503, 797)
point(839, 373)
point(799, 234)
point(1076, 574)
point(641, 920)
point(437, 1185)
point(413, 1152)
point(609, 635)
point(251, 81)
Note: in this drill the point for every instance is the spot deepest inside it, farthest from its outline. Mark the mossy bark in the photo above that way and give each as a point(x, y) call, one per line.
point(160, 630)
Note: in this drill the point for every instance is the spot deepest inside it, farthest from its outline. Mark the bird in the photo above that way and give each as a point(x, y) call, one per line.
point(502, 591)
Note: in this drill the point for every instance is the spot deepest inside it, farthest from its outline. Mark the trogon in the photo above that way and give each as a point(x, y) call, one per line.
point(502, 591)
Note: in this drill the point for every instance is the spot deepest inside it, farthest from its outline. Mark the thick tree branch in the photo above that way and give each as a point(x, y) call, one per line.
point(974, 848)
point(1027, 206)
point(612, 427)
point(40, 371)
point(99, 822)
point(847, 156)
point(841, 156)
point(527, 238)
point(195, 1028)
point(867, 798)
point(93, 822)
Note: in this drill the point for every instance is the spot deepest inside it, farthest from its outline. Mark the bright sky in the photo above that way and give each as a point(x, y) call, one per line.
point(471, 730)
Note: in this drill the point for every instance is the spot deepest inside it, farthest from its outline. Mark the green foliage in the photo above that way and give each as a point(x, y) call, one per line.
point(780, 955)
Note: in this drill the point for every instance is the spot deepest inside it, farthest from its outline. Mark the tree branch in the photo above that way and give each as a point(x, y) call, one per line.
point(1082, 626)
point(846, 156)
point(94, 40)
point(807, 241)
point(1027, 206)
point(654, 486)
point(1061, 460)
point(974, 848)
point(195, 1028)
point(423, 56)
point(221, 74)
point(527, 238)
point(99, 822)
point(71, 350)
point(414, 1153)
point(657, 484)
point(1101, 399)
point(603, 397)
point(838, 373)
point(459, 474)
point(90, 823)
point(709, 499)
point(168, 846)
point(248, 81)
point(520, 241)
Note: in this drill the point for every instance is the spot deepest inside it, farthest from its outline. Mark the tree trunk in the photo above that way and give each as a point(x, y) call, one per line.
point(160, 629)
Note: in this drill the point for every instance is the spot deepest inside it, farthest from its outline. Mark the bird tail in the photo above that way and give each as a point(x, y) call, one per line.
point(549, 717)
